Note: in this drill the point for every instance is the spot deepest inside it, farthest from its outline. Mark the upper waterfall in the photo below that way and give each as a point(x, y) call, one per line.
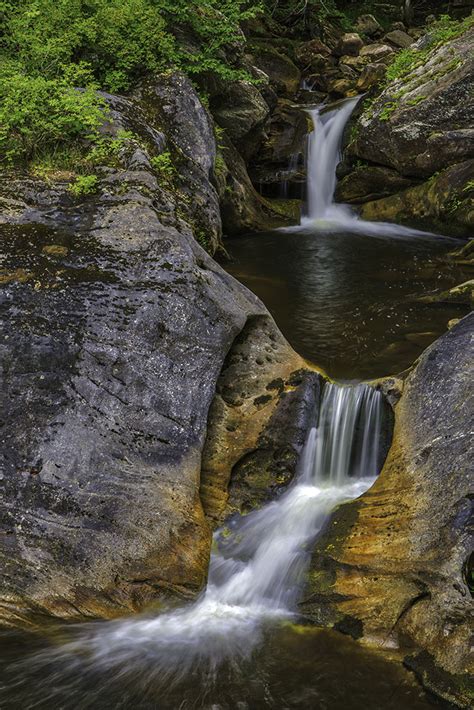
point(323, 155)
point(324, 152)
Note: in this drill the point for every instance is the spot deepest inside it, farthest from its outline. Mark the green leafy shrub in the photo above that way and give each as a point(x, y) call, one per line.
point(163, 165)
point(49, 48)
point(84, 185)
point(38, 113)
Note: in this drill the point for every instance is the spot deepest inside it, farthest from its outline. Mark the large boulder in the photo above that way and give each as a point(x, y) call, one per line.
point(117, 327)
point(445, 202)
point(243, 209)
point(367, 25)
point(285, 77)
point(369, 182)
point(169, 102)
point(280, 157)
point(399, 39)
point(376, 53)
point(422, 122)
point(350, 43)
point(392, 566)
point(242, 111)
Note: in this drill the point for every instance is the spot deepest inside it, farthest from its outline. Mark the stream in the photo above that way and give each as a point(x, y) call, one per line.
point(241, 644)
point(346, 294)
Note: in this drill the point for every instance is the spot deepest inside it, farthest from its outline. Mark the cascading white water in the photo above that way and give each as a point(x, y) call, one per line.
point(258, 563)
point(323, 156)
point(286, 175)
point(324, 146)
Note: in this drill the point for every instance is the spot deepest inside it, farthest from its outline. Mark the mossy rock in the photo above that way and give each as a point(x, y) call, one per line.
point(284, 75)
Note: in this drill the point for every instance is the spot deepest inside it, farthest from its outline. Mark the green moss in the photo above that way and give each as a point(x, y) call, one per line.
point(442, 31)
point(387, 110)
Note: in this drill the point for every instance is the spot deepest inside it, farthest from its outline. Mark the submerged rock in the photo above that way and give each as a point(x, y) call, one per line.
point(393, 563)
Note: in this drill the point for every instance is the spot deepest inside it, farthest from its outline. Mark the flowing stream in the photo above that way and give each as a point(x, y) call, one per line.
point(232, 647)
point(324, 154)
point(351, 296)
point(256, 575)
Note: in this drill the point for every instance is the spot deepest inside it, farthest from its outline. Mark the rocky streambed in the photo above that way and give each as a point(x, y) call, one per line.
point(148, 394)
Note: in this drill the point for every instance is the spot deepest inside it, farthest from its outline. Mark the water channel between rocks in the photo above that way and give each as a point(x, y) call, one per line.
point(350, 302)
point(347, 296)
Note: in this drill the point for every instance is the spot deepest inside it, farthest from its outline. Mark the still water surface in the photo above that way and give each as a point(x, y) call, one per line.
point(350, 302)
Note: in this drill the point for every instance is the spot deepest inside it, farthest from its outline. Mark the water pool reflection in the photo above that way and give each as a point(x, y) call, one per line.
point(349, 302)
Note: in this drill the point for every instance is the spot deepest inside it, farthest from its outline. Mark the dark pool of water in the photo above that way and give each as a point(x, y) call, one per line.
point(296, 667)
point(349, 302)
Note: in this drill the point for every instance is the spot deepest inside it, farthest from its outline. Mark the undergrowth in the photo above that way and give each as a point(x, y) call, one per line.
point(56, 54)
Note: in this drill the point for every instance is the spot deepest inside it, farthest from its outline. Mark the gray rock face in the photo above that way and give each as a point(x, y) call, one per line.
point(429, 121)
point(284, 75)
point(242, 111)
point(419, 126)
point(393, 564)
point(171, 103)
point(116, 327)
point(369, 183)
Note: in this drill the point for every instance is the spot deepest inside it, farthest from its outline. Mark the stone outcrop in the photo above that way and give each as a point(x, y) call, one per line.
point(284, 75)
point(444, 203)
point(419, 126)
point(391, 567)
point(421, 123)
point(117, 328)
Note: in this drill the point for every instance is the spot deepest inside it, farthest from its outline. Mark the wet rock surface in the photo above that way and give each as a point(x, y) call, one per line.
point(392, 564)
point(116, 327)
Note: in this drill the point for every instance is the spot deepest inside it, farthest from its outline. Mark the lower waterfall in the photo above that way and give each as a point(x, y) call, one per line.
point(257, 566)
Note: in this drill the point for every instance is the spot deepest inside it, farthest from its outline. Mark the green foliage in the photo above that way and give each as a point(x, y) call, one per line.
point(387, 110)
point(416, 100)
point(101, 150)
point(163, 165)
point(440, 32)
point(48, 48)
point(84, 185)
point(37, 113)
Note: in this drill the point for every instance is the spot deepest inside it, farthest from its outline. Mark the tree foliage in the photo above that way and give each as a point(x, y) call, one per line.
point(49, 48)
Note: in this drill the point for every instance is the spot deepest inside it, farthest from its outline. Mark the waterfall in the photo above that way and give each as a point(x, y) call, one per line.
point(258, 562)
point(323, 155)
point(324, 146)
